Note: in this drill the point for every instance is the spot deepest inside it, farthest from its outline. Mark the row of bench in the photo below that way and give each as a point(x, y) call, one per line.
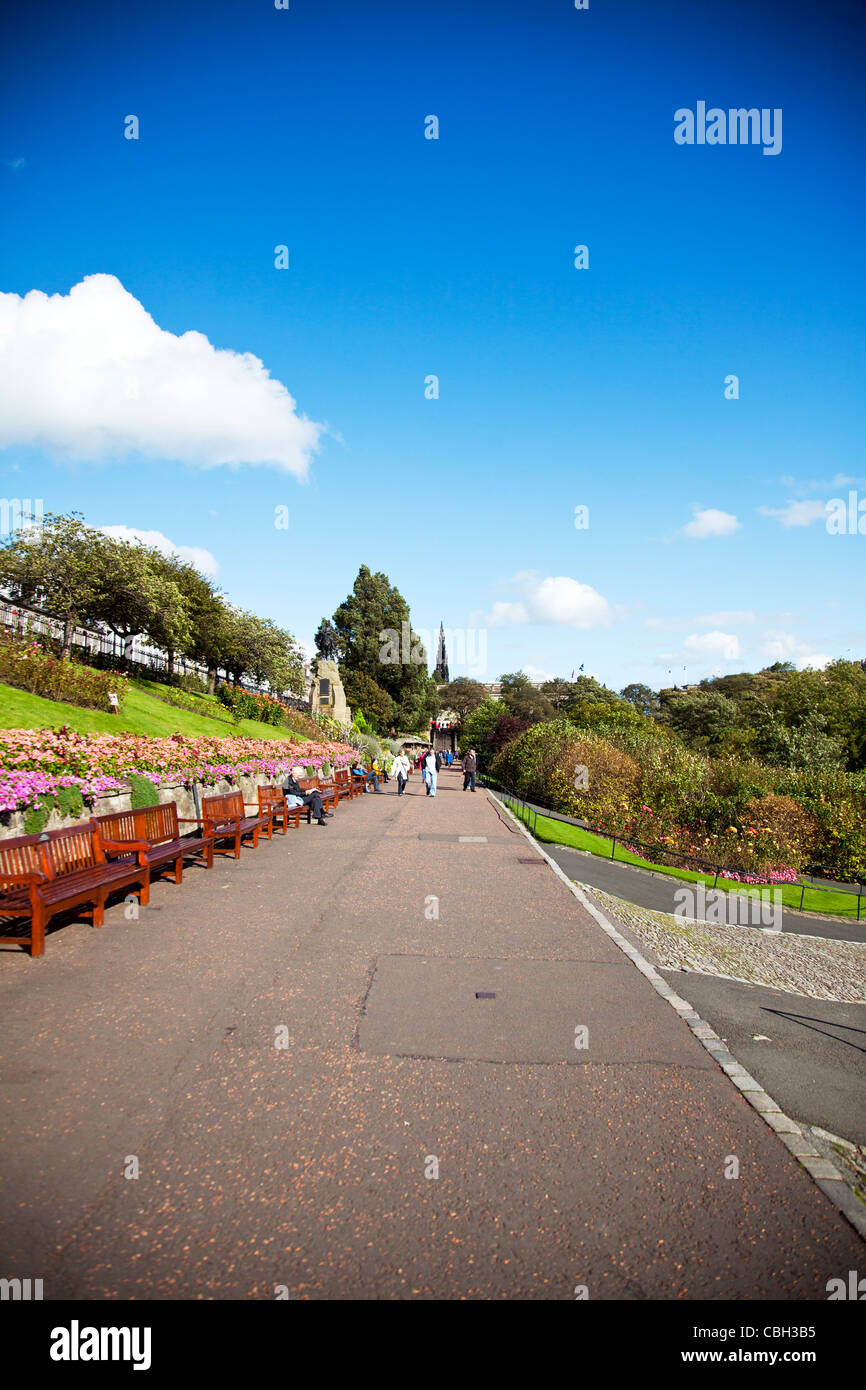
point(42, 875)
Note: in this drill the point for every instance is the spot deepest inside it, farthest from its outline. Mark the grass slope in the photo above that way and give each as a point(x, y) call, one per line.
point(142, 714)
point(814, 899)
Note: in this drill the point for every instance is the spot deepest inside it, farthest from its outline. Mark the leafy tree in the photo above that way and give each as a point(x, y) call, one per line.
point(55, 568)
point(702, 718)
point(559, 692)
point(599, 715)
point(478, 728)
point(463, 695)
point(522, 699)
point(363, 694)
point(506, 728)
point(375, 638)
point(205, 611)
point(644, 700)
point(139, 597)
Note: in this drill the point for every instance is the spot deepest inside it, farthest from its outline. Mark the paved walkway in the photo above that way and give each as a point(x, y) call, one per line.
point(307, 1166)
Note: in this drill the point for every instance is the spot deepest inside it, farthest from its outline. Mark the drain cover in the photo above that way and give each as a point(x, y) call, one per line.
point(480, 994)
point(533, 860)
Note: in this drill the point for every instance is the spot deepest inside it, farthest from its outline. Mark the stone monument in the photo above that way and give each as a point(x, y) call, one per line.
point(327, 695)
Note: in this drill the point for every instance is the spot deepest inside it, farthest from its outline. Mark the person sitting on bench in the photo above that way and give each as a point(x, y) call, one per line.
point(296, 796)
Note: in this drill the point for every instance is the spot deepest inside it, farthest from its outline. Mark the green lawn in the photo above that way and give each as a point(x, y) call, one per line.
point(142, 713)
point(815, 900)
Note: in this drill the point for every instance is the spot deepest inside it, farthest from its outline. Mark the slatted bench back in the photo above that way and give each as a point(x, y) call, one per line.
point(155, 824)
point(222, 807)
point(158, 824)
point(72, 849)
point(22, 855)
point(271, 796)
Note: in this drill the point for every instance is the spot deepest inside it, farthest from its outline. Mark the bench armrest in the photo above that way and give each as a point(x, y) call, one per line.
point(22, 880)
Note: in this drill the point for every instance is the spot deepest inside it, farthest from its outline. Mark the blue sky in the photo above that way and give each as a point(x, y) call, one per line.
point(411, 257)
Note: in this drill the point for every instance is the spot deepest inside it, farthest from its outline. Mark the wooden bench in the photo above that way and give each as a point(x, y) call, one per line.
point(151, 835)
point(224, 818)
point(344, 784)
point(41, 875)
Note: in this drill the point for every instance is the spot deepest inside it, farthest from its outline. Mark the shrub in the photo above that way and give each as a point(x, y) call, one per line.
point(612, 793)
point(782, 830)
point(144, 791)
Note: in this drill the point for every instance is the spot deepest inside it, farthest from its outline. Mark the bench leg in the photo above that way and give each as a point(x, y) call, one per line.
point(37, 932)
point(99, 908)
point(256, 837)
point(144, 897)
point(178, 869)
point(238, 843)
point(208, 855)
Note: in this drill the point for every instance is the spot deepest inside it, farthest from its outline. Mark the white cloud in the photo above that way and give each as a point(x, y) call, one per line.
point(558, 600)
point(784, 646)
point(709, 521)
point(535, 673)
point(91, 375)
point(191, 554)
point(723, 646)
point(797, 513)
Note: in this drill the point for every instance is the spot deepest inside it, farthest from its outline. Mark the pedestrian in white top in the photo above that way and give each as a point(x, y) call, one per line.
point(400, 770)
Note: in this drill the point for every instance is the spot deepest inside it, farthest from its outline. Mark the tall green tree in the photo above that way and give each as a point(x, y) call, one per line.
point(55, 568)
point(522, 699)
point(375, 639)
point(463, 695)
point(139, 597)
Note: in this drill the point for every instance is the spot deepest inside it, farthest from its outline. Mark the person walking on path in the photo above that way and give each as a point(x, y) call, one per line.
point(400, 770)
point(470, 767)
point(430, 771)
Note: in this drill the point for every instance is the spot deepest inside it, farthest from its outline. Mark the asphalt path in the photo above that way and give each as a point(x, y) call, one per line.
point(345, 1065)
point(808, 1054)
point(656, 891)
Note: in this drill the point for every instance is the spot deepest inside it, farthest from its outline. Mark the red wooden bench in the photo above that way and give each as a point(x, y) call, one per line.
point(224, 818)
point(345, 784)
point(151, 835)
point(41, 875)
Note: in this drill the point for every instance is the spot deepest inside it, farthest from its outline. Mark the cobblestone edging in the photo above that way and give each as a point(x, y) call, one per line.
point(815, 966)
point(826, 1174)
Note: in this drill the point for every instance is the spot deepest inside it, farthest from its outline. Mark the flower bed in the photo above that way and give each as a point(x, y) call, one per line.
point(36, 764)
point(26, 664)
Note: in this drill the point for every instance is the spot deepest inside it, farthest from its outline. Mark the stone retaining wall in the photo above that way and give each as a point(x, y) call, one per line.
point(188, 801)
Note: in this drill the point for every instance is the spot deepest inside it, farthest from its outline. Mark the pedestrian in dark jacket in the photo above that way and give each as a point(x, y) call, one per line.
point(470, 767)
